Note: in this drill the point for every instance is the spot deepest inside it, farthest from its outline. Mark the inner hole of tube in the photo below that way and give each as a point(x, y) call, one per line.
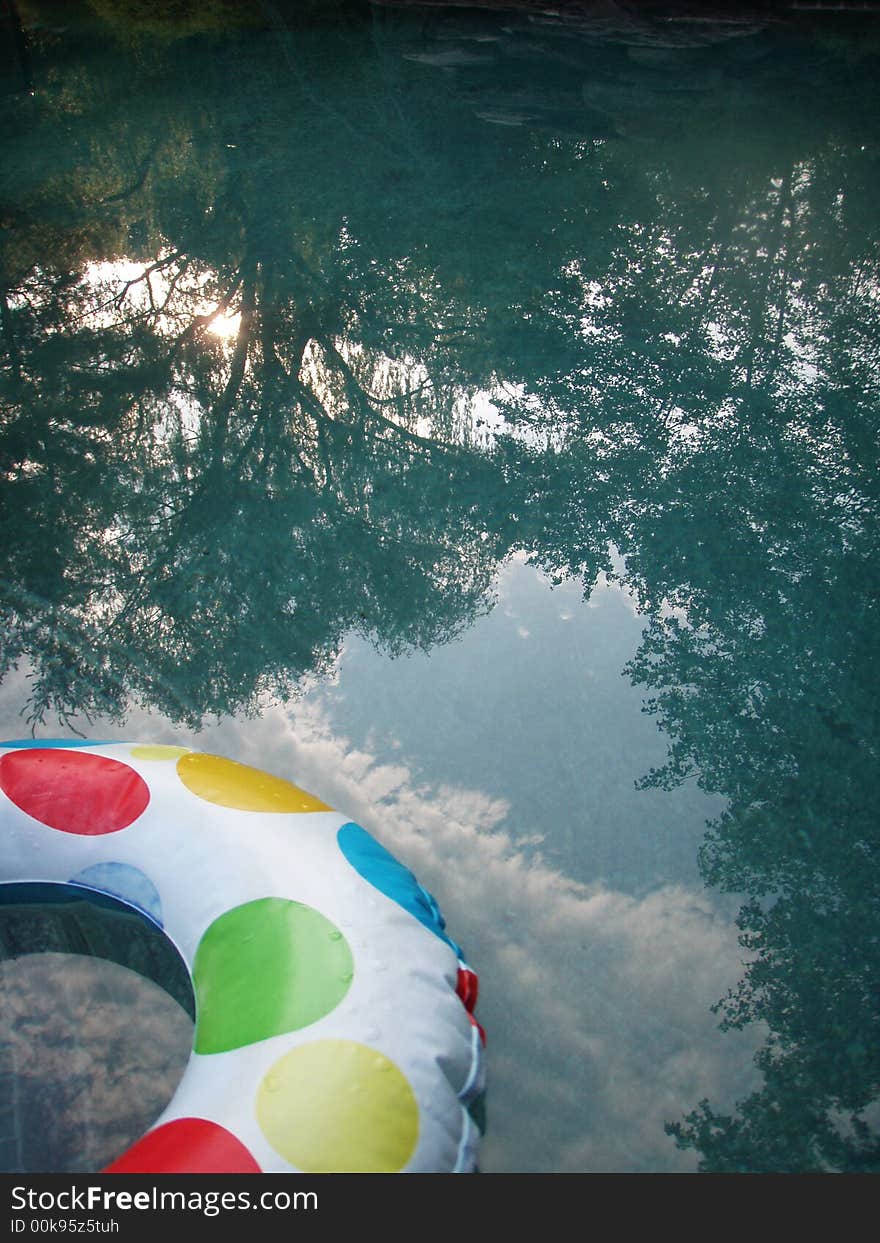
point(96, 1027)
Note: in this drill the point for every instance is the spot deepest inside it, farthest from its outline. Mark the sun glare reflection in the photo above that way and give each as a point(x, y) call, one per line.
point(225, 326)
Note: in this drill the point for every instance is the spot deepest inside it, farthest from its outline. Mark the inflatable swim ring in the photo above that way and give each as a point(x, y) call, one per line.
point(334, 1015)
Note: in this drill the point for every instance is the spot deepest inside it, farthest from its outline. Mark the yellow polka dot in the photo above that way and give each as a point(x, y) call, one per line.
point(158, 752)
point(229, 784)
point(337, 1107)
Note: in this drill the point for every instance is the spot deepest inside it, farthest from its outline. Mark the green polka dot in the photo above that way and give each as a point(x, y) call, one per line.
point(264, 968)
point(338, 1107)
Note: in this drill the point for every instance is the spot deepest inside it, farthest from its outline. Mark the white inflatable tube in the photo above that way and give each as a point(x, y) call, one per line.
point(334, 1016)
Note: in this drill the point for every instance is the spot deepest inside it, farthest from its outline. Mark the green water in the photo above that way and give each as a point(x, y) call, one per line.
point(438, 403)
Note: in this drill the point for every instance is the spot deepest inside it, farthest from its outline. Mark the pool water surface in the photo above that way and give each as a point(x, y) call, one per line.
point(471, 416)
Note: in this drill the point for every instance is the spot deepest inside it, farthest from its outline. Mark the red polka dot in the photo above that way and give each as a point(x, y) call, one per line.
point(467, 986)
point(73, 791)
point(186, 1146)
point(481, 1031)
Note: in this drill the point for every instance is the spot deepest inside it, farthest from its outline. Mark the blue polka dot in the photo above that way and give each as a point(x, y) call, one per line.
point(387, 874)
point(124, 882)
point(30, 743)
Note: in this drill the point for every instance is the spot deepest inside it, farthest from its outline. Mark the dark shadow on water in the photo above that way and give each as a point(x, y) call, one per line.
point(95, 1027)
